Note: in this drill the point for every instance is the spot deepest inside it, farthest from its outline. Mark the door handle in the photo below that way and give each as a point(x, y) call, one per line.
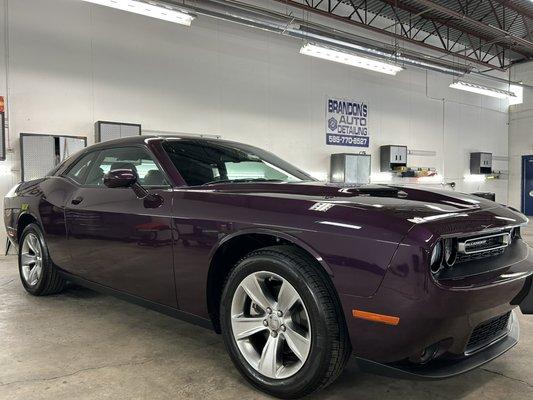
point(76, 200)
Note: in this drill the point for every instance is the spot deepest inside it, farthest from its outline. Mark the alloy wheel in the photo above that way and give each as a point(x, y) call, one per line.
point(31, 259)
point(270, 325)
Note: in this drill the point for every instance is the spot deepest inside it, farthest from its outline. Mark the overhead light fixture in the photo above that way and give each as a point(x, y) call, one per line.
point(519, 95)
point(485, 90)
point(149, 10)
point(327, 53)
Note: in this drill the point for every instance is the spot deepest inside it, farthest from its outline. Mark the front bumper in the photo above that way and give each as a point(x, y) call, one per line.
point(431, 314)
point(525, 297)
point(442, 368)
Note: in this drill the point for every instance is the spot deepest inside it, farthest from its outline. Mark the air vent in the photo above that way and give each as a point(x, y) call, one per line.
point(488, 332)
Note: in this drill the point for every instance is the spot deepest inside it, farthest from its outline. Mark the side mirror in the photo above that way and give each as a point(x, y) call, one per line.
point(120, 178)
point(128, 178)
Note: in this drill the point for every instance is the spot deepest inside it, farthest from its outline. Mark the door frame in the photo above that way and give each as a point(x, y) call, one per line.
point(523, 183)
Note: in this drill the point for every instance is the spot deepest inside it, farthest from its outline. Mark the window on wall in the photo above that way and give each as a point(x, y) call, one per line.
point(134, 158)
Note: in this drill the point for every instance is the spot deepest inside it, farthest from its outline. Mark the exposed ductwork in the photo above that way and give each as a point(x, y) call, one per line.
point(261, 18)
point(304, 30)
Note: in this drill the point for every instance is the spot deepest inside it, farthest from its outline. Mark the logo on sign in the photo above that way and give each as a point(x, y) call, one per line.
point(332, 124)
point(347, 123)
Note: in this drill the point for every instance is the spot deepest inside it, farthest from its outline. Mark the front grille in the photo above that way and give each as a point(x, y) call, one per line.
point(485, 333)
point(479, 245)
point(461, 258)
point(475, 248)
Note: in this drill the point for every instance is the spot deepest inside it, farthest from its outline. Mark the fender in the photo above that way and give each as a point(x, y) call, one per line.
point(271, 232)
point(24, 214)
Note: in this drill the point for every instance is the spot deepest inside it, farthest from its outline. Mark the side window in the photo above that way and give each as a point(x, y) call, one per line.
point(80, 169)
point(254, 170)
point(135, 158)
point(201, 162)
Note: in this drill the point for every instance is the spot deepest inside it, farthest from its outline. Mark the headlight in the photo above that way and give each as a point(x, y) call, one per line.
point(12, 191)
point(450, 251)
point(436, 258)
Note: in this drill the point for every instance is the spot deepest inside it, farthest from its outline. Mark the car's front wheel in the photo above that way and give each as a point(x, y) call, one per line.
point(37, 272)
point(282, 322)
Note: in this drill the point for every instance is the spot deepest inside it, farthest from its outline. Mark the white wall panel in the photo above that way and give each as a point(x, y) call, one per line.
point(72, 64)
point(520, 133)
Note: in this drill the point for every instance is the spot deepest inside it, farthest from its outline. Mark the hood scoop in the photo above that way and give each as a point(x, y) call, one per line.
point(373, 191)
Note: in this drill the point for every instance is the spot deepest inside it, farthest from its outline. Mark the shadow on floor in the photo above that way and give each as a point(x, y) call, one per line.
point(351, 384)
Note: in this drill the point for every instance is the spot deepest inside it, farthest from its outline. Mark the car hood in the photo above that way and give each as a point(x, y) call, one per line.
point(412, 205)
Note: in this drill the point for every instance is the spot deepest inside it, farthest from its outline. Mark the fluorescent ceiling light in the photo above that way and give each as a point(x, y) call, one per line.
point(342, 57)
point(485, 90)
point(519, 95)
point(149, 10)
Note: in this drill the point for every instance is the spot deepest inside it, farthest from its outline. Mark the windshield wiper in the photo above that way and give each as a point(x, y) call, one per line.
point(242, 180)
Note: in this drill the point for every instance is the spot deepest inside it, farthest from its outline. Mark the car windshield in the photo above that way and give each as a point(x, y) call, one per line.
point(203, 162)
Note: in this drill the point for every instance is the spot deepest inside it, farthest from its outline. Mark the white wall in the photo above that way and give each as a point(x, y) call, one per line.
point(520, 132)
point(71, 64)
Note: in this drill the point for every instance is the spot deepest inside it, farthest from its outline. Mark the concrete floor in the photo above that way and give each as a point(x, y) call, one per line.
point(84, 345)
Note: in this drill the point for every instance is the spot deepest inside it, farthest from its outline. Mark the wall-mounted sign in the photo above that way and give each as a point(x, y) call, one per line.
point(347, 123)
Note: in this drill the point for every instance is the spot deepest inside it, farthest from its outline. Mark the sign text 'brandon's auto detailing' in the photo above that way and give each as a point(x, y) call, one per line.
point(347, 123)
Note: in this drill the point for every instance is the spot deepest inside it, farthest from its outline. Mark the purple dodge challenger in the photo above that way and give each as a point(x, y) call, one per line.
point(296, 274)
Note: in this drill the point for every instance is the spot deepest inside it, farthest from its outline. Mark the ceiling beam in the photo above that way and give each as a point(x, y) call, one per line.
point(516, 8)
point(449, 23)
point(475, 23)
point(358, 24)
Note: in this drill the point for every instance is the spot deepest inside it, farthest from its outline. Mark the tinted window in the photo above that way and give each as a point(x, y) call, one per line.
point(80, 169)
point(134, 158)
point(202, 161)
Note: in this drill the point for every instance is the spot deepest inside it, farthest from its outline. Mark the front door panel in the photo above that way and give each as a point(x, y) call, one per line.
point(117, 241)
point(55, 193)
point(527, 185)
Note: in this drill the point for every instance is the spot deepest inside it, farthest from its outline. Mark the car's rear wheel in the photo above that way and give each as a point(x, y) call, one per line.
point(37, 272)
point(282, 322)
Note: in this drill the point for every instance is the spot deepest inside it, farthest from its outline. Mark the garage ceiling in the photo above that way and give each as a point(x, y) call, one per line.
point(489, 33)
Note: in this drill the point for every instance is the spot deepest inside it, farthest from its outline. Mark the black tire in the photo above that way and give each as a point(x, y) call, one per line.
point(50, 281)
point(330, 346)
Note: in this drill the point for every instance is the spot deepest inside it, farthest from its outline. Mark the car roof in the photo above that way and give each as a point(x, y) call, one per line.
point(140, 139)
point(131, 140)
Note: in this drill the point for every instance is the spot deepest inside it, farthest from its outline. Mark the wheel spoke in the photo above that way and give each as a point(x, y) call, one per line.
point(32, 243)
point(287, 297)
point(27, 258)
point(244, 327)
point(298, 343)
point(26, 272)
point(34, 274)
point(254, 289)
point(268, 364)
